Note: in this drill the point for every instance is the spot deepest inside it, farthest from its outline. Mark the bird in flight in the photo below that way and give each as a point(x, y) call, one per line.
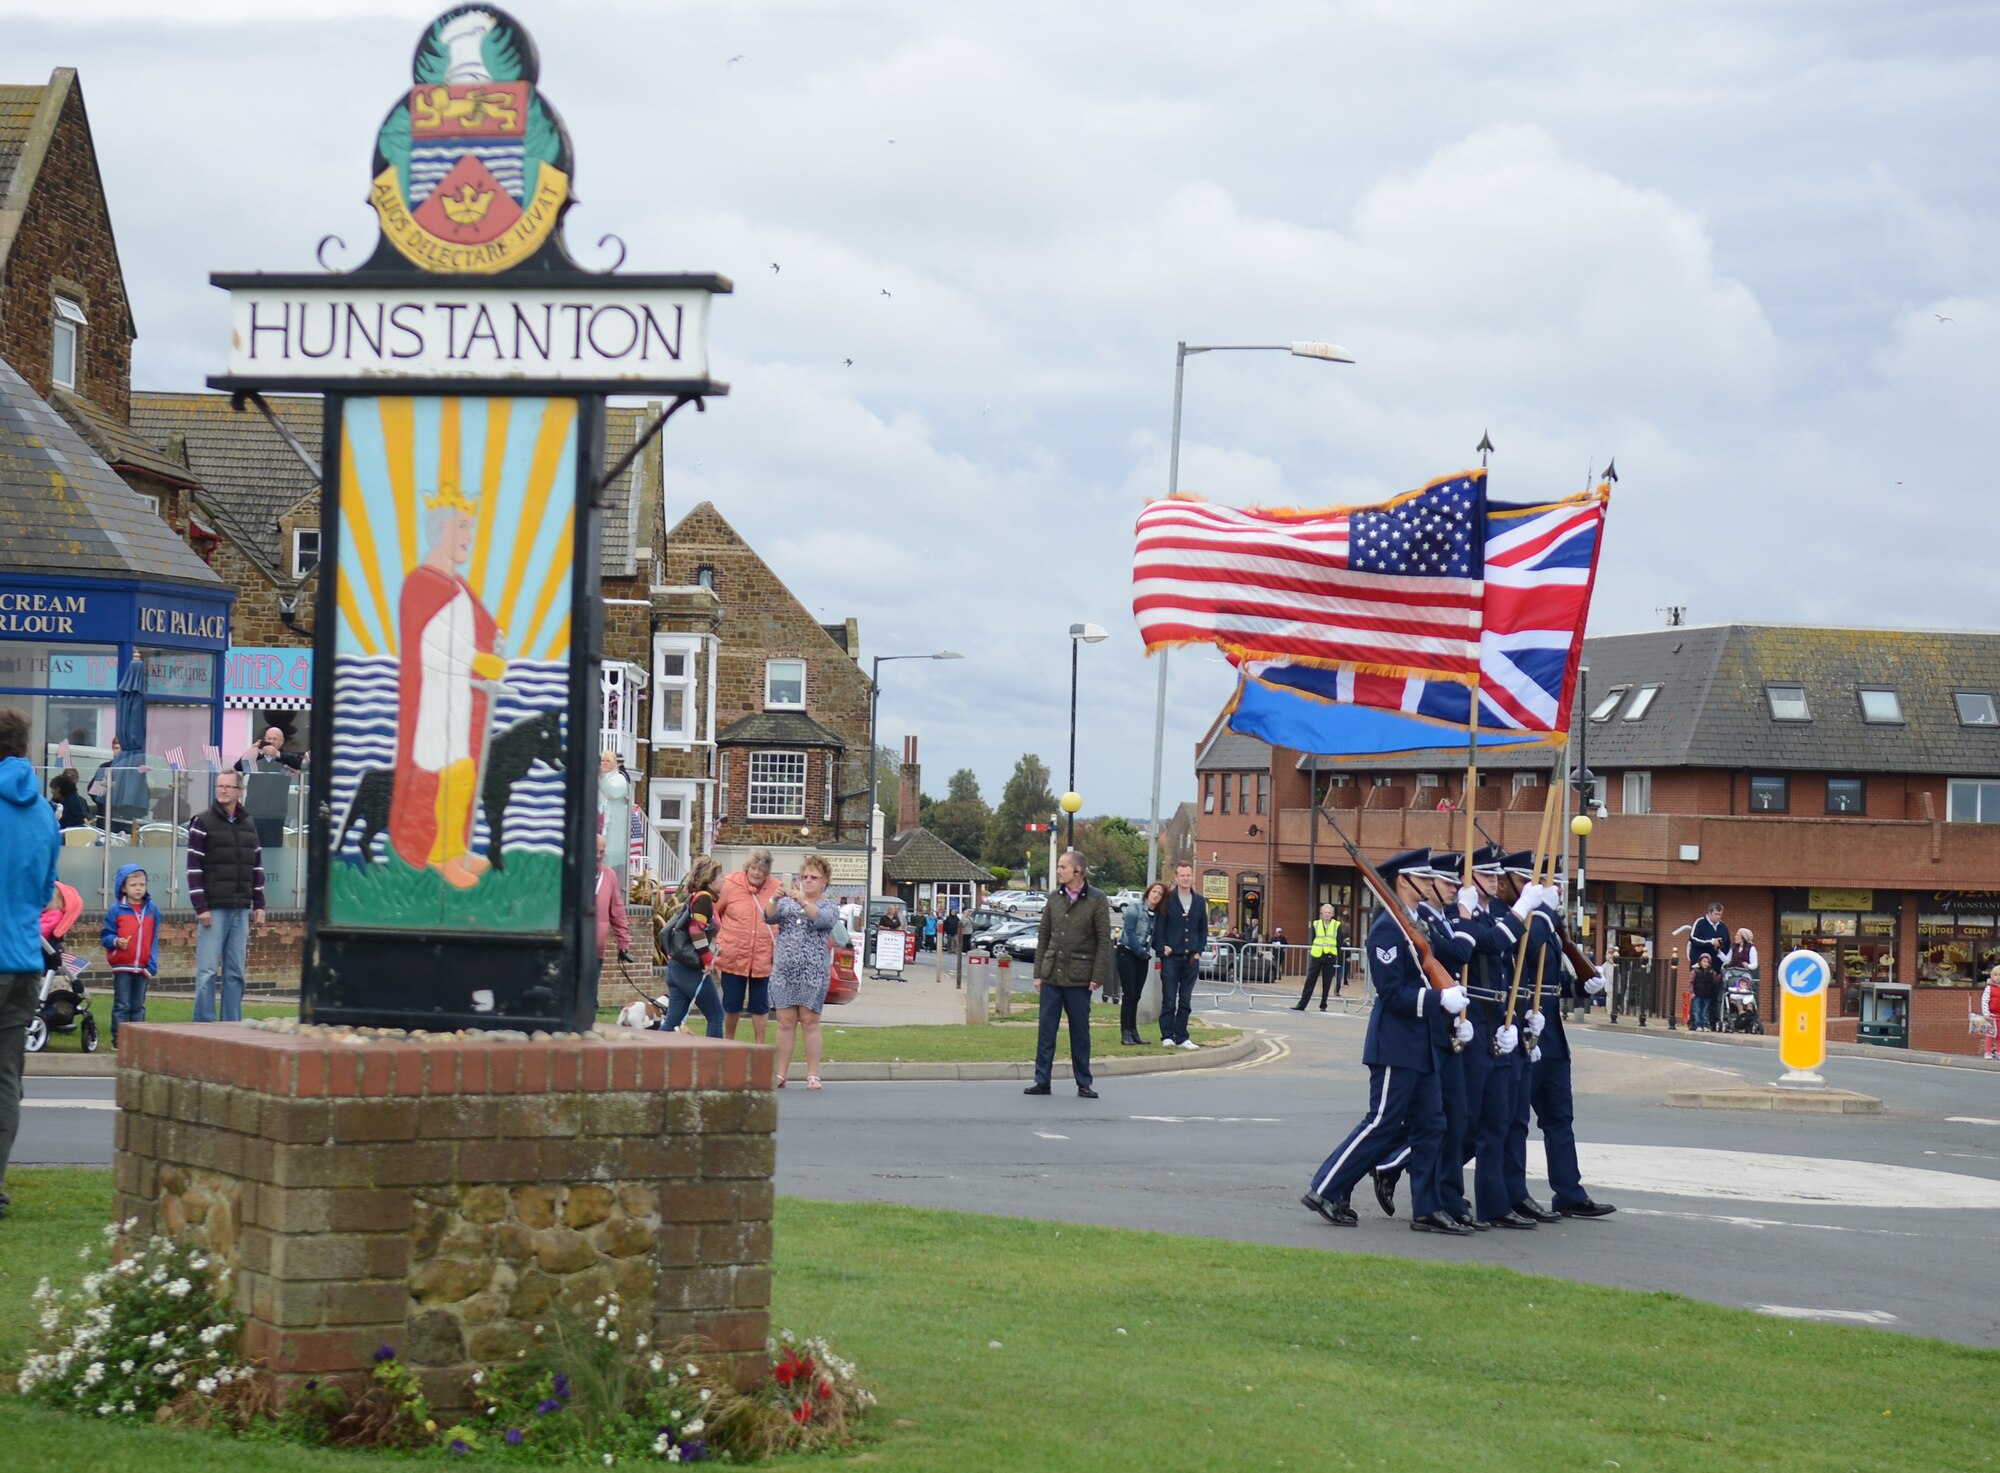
point(849, 362)
point(774, 265)
point(885, 291)
point(1941, 317)
point(734, 59)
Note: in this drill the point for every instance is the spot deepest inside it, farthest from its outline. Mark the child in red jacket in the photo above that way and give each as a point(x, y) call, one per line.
point(132, 943)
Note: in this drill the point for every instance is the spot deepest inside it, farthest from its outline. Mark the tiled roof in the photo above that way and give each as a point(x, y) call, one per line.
point(916, 855)
point(249, 477)
point(1712, 709)
point(119, 444)
point(777, 729)
point(17, 114)
point(1232, 751)
point(62, 509)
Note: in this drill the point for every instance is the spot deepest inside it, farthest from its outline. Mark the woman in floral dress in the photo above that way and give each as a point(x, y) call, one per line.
point(803, 963)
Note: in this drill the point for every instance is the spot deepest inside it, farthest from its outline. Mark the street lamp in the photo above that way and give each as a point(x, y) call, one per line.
point(1079, 635)
point(868, 885)
point(1325, 353)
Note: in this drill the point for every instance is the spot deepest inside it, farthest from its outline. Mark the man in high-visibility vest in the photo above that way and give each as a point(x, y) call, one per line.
point(1324, 965)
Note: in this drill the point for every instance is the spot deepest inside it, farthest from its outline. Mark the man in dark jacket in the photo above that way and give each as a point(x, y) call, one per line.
point(225, 875)
point(1180, 935)
point(1072, 955)
point(28, 844)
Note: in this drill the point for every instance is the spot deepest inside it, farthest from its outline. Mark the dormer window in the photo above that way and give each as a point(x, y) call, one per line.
point(1975, 708)
point(1603, 709)
point(784, 685)
point(1640, 702)
point(66, 342)
point(1881, 707)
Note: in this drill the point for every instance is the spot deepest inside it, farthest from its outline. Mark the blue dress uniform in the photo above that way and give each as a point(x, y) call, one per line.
point(1544, 960)
point(1491, 1083)
point(1403, 1086)
point(1555, 1111)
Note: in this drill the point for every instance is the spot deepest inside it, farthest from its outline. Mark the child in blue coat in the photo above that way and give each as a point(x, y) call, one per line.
point(132, 943)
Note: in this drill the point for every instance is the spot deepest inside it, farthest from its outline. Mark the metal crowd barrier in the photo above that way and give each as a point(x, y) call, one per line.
point(1646, 990)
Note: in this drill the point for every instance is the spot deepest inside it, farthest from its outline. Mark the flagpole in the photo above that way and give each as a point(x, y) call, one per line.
point(1542, 844)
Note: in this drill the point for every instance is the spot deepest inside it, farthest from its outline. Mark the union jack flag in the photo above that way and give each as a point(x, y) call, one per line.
point(1541, 565)
point(1393, 587)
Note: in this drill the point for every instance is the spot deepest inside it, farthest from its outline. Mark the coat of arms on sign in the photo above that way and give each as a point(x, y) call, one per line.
point(472, 166)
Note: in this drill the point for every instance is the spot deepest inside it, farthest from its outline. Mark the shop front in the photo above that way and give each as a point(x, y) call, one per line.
point(264, 686)
point(1855, 930)
point(1956, 941)
point(1629, 916)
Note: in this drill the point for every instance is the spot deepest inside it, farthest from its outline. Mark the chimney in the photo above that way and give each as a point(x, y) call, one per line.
point(909, 796)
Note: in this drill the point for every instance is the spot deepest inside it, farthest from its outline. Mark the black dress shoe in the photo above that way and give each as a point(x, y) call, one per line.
point(1385, 1190)
point(1036, 1089)
point(1440, 1222)
point(1340, 1214)
point(1470, 1221)
point(1322, 1007)
point(1129, 1038)
point(1528, 1207)
point(1509, 1220)
point(1085, 1092)
point(1300, 1008)
point(1587, 1208)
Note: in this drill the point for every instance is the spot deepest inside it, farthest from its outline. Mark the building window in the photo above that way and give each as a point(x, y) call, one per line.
point(722, 786)
point(1788, 702)
point(1975, 708)
point(667, 850)
point(305, 550)
point(1224, 785)
point(673, 690)
point(1881, 707)
point(152, 501)
point(1638, 792)
point(1603, 709)
point(1641, 702)
point(1382, 780)
point(1263, 792)
point(777, 785)
point(1525, 780)
point(784, 685)
point(618, 710)
point(1968, 800)
point(1426, 780)
point(1770, 795)
point(1243, 793)
point(1846, 795)
point(66, 350)
point(827, 815)
point(1208, 792)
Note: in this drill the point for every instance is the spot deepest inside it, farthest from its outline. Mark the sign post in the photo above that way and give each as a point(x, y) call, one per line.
point(1802, 985)
point(459, 635)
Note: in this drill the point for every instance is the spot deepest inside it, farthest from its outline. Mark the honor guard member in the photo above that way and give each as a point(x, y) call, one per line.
point(1496, 1065)
point(1323, 966)
point(1402, 1077)
point(1541, 967)
point(1454, 937)
point(1555, 1110)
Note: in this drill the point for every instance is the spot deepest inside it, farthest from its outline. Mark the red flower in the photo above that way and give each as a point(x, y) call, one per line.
point(803, 1414)
point(784, 1372)
point(825, 1390)
point(805, 1366)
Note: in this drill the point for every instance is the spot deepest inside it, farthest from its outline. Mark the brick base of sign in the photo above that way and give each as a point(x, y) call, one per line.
point(439, 1195)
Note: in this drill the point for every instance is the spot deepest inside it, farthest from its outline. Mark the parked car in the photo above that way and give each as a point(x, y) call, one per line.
point(1124, 898)
point(1215, 963)
point(1019, 902)
point(1021, 945)
point(991, 940)
point(983, 919)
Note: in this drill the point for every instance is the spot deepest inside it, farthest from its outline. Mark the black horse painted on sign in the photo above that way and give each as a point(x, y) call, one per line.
point(514, 751)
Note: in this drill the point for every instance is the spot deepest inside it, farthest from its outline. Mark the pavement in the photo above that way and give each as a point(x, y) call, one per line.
point(1880, 1220)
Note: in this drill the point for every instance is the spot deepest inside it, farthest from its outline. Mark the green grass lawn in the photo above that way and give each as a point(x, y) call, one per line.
point(1231, 1356)
point(998, 1042)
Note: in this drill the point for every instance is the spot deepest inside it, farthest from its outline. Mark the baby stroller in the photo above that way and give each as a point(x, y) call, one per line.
point(65, 1001)
point(1739, 1001)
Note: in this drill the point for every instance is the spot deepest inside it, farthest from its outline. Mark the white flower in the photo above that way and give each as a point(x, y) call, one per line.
point(706, 1393)
point(125, 1368)
point(612, 1336)
point(639, 1342)
point(206, 1385)
point(127, 1409)
point(156, 1340)
point(83, 1253)
point(609, 1459)
point(598, 1302)
point(656, 1364)
point(178, 1289)
point(197, 1262)
point(104, 1409)
point(180, 1379)
point(694, 1428)
point(478, 1378)
point(600, 1324)
point(93, 1373)
point(694, 1370)
point(612, 1312)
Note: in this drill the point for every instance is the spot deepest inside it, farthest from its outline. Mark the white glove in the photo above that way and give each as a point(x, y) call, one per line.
point(1453, 999)
point(1594, 986)
point(1534, 1055)
point(1506, 1039)
point(1536, 1022)
point(1462, 1031)
point(1524, 905)
point(1468, 901)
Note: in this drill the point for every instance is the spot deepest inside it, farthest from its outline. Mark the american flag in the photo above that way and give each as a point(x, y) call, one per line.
point(636, 854)
point(213, 756)
point(1391, 586)
point(62, 754)
point(75, 965)
point(1541, 564)
point(176, 758)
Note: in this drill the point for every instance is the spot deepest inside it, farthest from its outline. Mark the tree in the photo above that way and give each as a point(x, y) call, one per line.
point(964, 786)
point(1114, 850)
point(1026, 799)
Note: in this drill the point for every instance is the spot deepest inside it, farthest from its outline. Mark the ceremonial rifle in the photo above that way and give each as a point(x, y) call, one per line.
point(1580, 964)
point(1433, 969)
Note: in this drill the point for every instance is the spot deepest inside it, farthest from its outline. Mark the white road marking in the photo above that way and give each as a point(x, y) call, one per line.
point(1753, 1176)
point(1963, 1155)
point(1970, 1120)
point(1760, 1223)
point(1858, 1316)
point(69, 1104)
point(1210, 1119)
point(1049, 1136)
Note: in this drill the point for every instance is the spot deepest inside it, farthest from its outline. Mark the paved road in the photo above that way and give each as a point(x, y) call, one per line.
point(1884, 1220)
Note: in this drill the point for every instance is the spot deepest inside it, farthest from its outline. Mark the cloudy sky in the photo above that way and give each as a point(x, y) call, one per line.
point(1713, 240)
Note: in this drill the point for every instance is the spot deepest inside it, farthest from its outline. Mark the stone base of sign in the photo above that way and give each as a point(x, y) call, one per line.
point(1791, 1101)
point(439, 1194)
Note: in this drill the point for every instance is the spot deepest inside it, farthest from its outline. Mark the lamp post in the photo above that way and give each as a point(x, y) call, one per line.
point(1079, 635)
point(874, 696)
point(1325, 353)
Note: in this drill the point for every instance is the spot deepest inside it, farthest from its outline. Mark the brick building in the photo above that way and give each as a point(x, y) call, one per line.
point(759, 712)
point(1836, 789)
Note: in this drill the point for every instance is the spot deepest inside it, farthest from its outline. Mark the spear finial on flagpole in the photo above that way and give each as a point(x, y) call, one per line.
point(1611, 469)
point(1484, 447)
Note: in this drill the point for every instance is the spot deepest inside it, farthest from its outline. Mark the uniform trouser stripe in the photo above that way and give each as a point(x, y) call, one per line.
point(1373, 1124)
